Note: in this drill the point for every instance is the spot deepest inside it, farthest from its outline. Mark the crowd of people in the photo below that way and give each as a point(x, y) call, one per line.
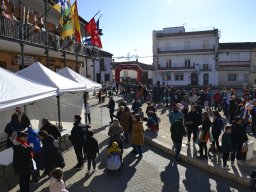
point(195, 112)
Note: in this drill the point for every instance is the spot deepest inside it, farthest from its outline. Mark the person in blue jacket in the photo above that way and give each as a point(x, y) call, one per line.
point(175, 114)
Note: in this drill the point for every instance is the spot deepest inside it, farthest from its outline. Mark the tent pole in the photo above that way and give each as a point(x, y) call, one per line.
point(58, 103)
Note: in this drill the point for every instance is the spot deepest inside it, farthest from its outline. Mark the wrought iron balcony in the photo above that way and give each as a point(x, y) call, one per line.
point(192, 48)
point(12, 30)
point(176, 67)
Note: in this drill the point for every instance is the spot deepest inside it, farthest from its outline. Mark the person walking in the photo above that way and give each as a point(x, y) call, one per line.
point(177, 133)
point(87, 112)
point(227, 146)
point(192, 123)
point(22, 160)
point(111, 106)
point(77, 137)
point(91, 150)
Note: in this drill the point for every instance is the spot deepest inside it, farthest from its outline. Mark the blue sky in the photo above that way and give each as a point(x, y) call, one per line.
point(128, 24)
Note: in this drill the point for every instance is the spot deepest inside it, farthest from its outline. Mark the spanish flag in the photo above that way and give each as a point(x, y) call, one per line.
point(76, 24)
point(66, 19)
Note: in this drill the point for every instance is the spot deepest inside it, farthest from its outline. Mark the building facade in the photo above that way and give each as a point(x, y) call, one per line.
point(185, 58)
point(28, 35)
point(236, 64)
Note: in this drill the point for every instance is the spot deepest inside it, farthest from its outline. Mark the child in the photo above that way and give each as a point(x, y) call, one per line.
point(114, 148)
point(91, 149)
point(227, 146)
point(56, 181)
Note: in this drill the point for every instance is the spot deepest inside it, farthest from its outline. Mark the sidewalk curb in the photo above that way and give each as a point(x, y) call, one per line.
point(194, 162)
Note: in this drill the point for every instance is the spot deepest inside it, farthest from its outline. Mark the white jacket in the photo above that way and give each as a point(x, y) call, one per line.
point(56, 185)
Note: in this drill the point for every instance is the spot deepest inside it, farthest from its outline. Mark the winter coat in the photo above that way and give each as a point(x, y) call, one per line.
point(11, 127)
point(91, 147)
point(34, 139)
point(124, 121)
point(137, 133)
point(56, 185)
point(50, 156)
point(206, 125)
point(193, 117)
point(226, 141)
point(217, 126)
point(232, 106)
point(78, 134)
point(111, 106)
point(177, 131)
point(22, 159)
point(135, 106)
point(51, 130)
point(115, 131)
point(238, 134)
point(174, 116)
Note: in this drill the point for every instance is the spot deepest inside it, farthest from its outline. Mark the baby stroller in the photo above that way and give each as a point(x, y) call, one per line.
point(114, 161)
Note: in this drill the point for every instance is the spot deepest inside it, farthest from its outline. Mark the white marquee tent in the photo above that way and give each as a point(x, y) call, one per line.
point(72, 75)
point(66, 106)
point(16, 91)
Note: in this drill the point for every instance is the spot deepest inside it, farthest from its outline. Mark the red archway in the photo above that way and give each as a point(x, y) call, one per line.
point(130, 67)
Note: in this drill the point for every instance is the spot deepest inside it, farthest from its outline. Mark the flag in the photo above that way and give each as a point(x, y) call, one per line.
point(98, 27)
point(76, 24)
point(57, 5)
point(92, 30)
point(66, 19)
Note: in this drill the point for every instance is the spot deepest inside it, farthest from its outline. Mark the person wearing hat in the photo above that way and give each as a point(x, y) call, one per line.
point(50, 156)
point(22, 160)
point(77, 137)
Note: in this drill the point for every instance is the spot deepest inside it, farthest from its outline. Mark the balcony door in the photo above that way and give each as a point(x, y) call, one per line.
point(194, 79)
point(206, 79)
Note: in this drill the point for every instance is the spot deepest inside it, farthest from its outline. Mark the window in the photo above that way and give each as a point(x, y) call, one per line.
point(166, 76)
point(206, 66)
point(187, 63)
point(232, 77)
point(205, 44)
point(102, 65)
point(179, 77)
point(107, 77)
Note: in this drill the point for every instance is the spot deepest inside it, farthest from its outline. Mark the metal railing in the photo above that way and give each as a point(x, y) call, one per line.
point(27, 33)
point(186, 48)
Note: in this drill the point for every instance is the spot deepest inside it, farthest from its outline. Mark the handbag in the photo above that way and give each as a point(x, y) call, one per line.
point(244, 147)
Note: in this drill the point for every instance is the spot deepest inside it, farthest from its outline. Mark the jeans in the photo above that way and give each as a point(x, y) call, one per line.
point(177, 147)
point(79, 153)
point(89, 118)
point(137, 148)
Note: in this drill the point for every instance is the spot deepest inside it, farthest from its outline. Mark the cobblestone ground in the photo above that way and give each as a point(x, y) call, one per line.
point(154, 172)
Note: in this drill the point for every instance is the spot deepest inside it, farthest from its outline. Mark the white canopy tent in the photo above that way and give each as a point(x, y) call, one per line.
point(16, 91)
point(72, 75)
point(70, 103)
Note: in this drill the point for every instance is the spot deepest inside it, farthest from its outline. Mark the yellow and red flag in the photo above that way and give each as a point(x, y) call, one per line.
point(76, 23)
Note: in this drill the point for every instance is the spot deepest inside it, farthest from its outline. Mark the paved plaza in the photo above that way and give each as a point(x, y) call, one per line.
point(154, 172)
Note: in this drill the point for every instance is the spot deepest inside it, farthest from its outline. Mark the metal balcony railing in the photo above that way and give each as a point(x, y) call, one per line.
point(176, 67)
point(27, 33)
point(185, 48)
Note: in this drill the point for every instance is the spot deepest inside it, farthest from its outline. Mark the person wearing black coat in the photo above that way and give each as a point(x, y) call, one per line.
point(239, 136)
point(111, 106)
point(77, 137)
point(50, 156)
point(232, 108)
point(22, 160)
point(13, 126)
point(51, 129)
point(177, 133)
point(91, 149)
point(217, 126)
point(192, 123)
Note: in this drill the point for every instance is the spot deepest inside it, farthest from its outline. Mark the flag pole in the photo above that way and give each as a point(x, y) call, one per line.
point(96, 14)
